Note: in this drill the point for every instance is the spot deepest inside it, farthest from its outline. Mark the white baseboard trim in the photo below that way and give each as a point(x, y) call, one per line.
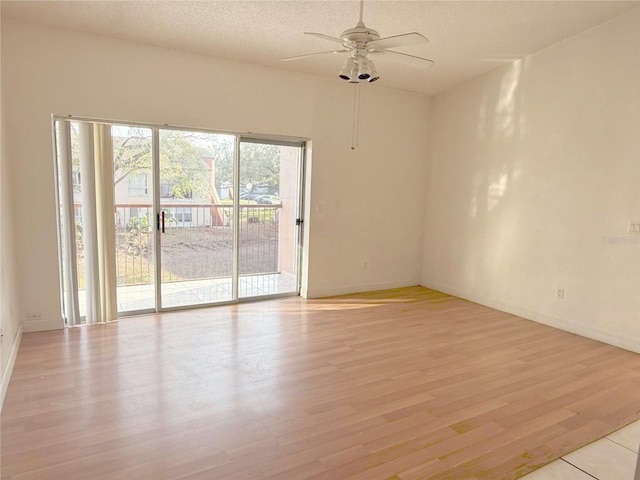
point(334, 291)
point(568, 325)
point(6, 375)
point(42, 325)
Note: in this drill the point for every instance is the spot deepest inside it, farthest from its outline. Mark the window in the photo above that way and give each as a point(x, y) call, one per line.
point(138, 185)
point(169, 190)
point(183, 214)
point(166, 190)
point(76, 180)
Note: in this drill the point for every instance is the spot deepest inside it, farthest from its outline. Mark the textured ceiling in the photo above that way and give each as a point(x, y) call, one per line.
point(467, 38)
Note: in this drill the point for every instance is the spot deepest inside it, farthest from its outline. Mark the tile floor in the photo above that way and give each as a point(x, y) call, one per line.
point(611, 458)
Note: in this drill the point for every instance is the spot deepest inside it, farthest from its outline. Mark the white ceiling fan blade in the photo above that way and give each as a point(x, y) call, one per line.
point(324, 37)
point(399, 41)
point(298, 57)
point(411, 60)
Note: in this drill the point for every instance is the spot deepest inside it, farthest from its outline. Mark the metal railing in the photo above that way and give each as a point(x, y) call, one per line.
point(197, 242)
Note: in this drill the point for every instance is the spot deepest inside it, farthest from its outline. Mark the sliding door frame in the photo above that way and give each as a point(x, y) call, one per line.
point(235, 271)
point(301, 162)
point(155, 211)
point(155, 172)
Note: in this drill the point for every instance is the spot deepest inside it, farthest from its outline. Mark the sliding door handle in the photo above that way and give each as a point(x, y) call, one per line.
point(160, 221)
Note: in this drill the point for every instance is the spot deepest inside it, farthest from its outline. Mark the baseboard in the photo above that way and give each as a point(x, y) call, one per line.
point(6, 375)
point(42, 325)
point(568, 325)
point(334, 291)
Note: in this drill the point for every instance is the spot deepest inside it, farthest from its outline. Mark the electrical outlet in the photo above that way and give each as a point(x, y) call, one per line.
point(634, 227)
point(560, 293)
point(34, 316)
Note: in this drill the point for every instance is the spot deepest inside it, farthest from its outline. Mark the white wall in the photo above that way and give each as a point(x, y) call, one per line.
point(9, 317)
point(353, 217)
point(533, 177)
point(366, 229)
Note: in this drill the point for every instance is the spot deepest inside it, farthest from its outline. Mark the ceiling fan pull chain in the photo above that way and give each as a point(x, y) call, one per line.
point(356, 116)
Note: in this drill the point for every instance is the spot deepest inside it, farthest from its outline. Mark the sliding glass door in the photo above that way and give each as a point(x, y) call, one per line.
point(269, 217)
point(198, 217)
point(134, 218)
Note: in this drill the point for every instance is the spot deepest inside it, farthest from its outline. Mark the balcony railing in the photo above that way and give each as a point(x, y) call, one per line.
point(197, 242)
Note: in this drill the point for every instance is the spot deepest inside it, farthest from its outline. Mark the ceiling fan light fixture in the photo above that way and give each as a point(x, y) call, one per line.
point(363, 69)
point(347, 69)
point(373, 73)
point(354, 73)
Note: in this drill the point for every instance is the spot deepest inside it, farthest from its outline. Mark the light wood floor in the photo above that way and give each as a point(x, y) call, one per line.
point(401, 384)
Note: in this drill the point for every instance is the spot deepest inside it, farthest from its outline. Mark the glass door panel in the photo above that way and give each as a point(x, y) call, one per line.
point(196, 212)
point(268, 232)
point(133, 195)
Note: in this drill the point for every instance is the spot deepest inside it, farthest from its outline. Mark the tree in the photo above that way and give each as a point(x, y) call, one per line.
point(220, 148)
point(131, 153)
point(181, 166)
point(183, 169)
point(259, 164)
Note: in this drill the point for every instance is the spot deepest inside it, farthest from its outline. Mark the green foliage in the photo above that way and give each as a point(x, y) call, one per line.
point(182, 160)
point(181, 163)
point(260, 166)
point(182, 166)
point(80, 238)
point(138, 236)
point(220, 147)
point(259, 163)
point(131, 154)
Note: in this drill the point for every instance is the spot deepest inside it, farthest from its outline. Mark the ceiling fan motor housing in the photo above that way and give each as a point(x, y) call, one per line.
point(359, 36)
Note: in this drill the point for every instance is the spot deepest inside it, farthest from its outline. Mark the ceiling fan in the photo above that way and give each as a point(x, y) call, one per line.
point(362, 41)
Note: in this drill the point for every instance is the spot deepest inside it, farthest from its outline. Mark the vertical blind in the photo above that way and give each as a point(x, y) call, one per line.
point(98, 224)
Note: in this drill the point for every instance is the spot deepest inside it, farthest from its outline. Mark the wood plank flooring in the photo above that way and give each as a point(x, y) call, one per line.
point(400, 384)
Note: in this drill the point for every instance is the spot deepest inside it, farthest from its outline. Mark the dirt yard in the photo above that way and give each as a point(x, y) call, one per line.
point(199, 252)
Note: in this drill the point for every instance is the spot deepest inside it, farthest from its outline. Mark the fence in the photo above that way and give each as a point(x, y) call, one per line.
point(197, 241)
